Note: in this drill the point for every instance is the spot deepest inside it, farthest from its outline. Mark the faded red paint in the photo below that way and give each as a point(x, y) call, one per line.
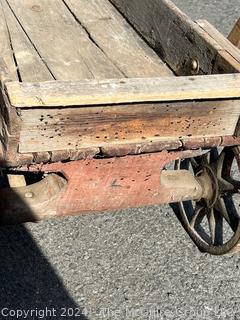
point(111, 184)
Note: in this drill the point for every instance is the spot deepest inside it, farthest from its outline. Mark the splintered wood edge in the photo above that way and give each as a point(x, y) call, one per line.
point(116, 91)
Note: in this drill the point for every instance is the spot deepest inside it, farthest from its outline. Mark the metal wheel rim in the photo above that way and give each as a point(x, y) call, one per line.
point(215, 247)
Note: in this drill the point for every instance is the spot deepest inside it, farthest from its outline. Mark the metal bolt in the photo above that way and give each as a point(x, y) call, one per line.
point(29, 195)
point(194, 66)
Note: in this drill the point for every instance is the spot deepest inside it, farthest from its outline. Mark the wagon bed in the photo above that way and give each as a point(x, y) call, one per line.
point(103, 94)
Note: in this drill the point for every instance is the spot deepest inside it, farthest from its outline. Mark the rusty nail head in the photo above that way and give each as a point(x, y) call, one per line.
point(36, 8)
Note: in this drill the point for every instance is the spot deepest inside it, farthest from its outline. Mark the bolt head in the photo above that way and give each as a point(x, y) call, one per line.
point(195, 66)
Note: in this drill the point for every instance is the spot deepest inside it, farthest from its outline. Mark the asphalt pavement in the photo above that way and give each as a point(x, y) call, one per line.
point(132, 264)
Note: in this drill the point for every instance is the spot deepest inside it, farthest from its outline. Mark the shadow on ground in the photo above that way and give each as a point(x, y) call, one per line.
point(27, 281)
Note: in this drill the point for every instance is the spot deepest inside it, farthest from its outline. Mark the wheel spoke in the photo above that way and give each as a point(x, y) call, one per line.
point(238, 161)
point(220, 206)
point(194, 163)
point(215, 230)
point(215, 226)
point(183, 164)
point(235, 186)
point(224, 166)
point(219, 165)
point(212, 224)
point(225, 206)
point(225, 163)
point(236, 152)
point(206, 158)
point(197, 216)
point(214, 155)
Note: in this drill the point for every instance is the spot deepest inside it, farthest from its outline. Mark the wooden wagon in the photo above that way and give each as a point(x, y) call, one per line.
point(99, 97)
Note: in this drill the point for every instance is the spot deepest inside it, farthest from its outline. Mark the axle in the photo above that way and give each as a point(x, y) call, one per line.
point(98, 185)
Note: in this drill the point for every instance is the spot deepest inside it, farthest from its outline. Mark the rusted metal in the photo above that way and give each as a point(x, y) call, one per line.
point(229, 141)
point(186, 143)
point(203, 142)
point(220, 233)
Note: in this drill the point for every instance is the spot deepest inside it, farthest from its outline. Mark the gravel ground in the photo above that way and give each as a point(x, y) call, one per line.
point(133, 264)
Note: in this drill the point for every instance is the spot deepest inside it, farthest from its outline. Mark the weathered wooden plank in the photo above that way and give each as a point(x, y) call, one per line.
point(234, 36)
point(220, 38)
point(228, 56)
point(77, 128)
point(187, 143)
point(115, 130)
point(61, 42)
point(13, 127)
point(8, 68)
point(179, 41)
point(16, 180)
point(8, 72)
point(139, 148)
point(4, 128)
point(225, 63)
point(117, 39)
point(30, 65)
point(92, 92)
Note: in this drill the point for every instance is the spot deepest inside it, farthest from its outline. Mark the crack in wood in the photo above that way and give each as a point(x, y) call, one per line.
point(30, 40)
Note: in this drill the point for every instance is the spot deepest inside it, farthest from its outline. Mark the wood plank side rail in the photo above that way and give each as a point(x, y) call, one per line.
point(177, 39)
point(234, 36)
point(116, 91)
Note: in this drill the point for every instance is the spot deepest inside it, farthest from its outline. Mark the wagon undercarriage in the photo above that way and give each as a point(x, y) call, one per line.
point(98, 97)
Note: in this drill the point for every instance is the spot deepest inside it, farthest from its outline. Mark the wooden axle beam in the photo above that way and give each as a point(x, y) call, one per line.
point(100, 185)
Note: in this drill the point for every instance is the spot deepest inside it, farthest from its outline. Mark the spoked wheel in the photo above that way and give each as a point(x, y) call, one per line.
point(213, 222)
